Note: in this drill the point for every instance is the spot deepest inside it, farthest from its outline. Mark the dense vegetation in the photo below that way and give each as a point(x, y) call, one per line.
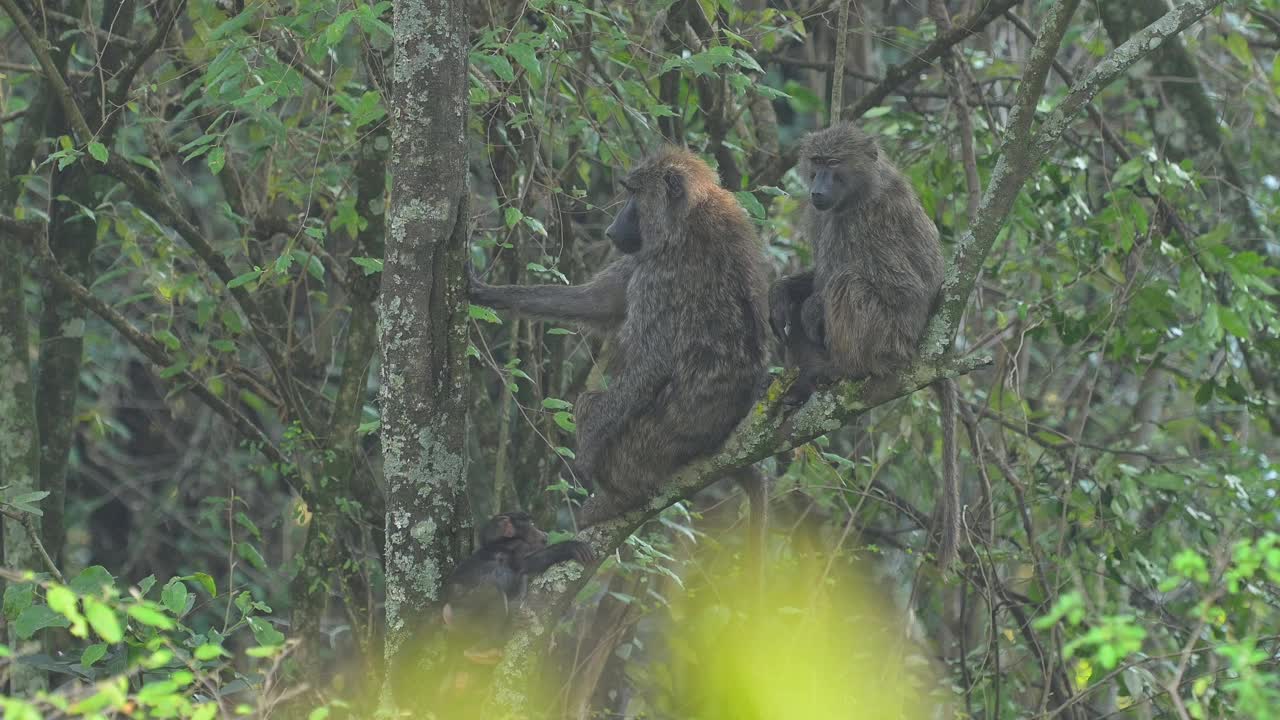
point(197, 198)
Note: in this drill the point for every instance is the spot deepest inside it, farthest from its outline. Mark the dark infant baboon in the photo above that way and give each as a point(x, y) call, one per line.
point(482, 590)
point(877, 272)
point(686, 303)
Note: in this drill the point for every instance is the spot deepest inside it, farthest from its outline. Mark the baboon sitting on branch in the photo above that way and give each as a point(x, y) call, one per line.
point(862, 309)
point(686, 303)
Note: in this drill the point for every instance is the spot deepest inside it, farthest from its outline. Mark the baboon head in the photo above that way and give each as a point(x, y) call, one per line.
point(512, 525)
point(660, 192)
point(838, 163)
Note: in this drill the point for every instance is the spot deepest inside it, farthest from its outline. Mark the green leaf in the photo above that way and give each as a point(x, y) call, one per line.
point(511, 216)
point(18, 597)
point(37, 618)
point(555, 404)
point(93, 654)
point(216, 160)
point(209, 651)
point(1129, 172)
point(535, 225)
point(1239, 48)
point(370, 265)
point(245, 278)
point(527, 57)
point(28, 498)
point(251, 555)
point(333, 34)
point(62, 601)
point(174, 597)
point(174, 370)
point(169, 340)
point(1205, 393)
point(264, 633)
point(501, 67)
point(751, 204)
point(98, 151)
point(243, 521)
point(1232, 323)
point(104, 620)
point(480, 312)
point(565, 421)
point(320, 713)
point(236, 23)
point(146, 614)
point(205, 581)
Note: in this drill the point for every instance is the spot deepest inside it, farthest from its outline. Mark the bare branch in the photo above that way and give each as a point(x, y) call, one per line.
point(156, 353)
point(898, 74)
point(1022, 152)
point(842, 59)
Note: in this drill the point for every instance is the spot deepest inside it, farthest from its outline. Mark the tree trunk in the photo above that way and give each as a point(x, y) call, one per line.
point(19, 445)
point(424, 332)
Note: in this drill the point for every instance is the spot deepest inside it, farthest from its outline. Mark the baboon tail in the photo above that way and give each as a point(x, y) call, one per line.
point(755, 485)
point(948, 505)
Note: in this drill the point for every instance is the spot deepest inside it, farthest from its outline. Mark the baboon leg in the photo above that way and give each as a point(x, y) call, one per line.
point(809, 356)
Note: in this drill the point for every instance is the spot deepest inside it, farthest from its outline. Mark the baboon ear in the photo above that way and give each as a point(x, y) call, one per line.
point(675, 186)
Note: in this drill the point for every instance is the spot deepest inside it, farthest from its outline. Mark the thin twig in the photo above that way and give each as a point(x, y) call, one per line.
point(24, 519)
point(842, 59)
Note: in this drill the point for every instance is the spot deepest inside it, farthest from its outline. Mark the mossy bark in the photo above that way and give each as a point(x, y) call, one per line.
point(423, 335)
point(19, 444)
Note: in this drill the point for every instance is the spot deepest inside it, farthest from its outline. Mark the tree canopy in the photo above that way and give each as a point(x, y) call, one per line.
point(248, 421)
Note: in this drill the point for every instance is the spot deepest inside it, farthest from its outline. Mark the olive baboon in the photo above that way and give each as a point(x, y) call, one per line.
point(861, 310)
point(481, 590)
point(686, 302)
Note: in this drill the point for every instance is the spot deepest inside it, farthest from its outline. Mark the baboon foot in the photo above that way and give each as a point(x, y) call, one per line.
point(800, 392)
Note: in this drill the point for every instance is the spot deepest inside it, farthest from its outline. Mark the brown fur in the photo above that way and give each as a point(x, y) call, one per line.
point(861, 310)
point(877, 259)
point(687, 311)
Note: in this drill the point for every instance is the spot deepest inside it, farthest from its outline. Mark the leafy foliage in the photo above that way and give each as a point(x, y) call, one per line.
point(227, 211)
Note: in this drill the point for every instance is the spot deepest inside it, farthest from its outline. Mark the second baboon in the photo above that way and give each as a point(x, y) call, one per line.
point(686, 303)
point(861, 311)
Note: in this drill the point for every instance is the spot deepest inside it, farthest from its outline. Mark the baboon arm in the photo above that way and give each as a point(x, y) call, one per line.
point(783, 296)
point(602, 302)
point(538, 562)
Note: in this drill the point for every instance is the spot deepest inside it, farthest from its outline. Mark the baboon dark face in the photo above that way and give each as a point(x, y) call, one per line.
point(654, 196)
point(827, 185)
point(625, 229)
point(839, 167)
